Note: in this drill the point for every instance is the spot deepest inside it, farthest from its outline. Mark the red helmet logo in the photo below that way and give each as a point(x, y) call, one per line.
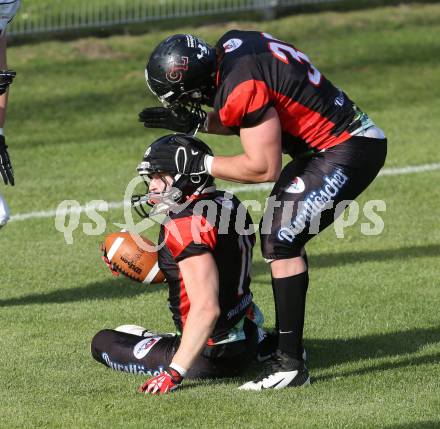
point(175, 72)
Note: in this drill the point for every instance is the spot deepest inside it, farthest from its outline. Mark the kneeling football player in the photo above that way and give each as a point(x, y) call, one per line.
point(206, 259)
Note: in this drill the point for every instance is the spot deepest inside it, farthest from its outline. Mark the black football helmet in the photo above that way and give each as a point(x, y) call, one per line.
point(168, 155)
point(182, 70)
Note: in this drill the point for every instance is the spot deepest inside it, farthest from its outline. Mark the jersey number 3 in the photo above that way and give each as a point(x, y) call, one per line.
point(280, 51)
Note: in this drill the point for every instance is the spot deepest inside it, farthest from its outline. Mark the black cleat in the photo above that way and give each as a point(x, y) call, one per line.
point(280, 371)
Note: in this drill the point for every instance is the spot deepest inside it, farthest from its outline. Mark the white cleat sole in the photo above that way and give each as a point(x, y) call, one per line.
point(279, 380)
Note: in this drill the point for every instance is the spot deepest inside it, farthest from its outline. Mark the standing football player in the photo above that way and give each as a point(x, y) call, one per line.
point(270, 94)
point(8, 9)
point(206, 258)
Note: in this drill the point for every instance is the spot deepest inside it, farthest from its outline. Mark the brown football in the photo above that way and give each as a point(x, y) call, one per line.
point(133, 260)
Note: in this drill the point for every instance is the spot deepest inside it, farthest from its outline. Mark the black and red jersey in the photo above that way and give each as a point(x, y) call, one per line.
point(257, 71)
point(219, 224)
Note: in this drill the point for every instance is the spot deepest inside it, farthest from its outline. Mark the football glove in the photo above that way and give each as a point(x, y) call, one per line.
point(6, 78)
point(178, 118)
point(166, 381)
point(6, 169)
point(110, 265)
point(196, 163)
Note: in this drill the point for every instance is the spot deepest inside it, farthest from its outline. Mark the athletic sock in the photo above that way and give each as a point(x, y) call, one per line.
point(290, 302)
point(277, 322)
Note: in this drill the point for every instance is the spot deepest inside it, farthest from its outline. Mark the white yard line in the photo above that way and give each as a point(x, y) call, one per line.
point(410, 169)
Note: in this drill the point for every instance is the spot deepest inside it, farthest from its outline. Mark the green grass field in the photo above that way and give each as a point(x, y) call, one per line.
point(373, 326)
point(41, 10)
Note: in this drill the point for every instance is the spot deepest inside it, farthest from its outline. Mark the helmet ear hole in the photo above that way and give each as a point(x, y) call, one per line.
point(196, 179)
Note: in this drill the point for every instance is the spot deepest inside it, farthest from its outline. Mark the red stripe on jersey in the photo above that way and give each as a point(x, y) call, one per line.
point(181, 232)
point(296, 119)
point(305, 123)
point(246, 97)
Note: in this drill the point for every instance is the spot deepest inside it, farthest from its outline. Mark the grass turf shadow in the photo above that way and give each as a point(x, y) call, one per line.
point(402, 253)
point(373, 366)
point(324, 353)
point(104, 290)
point(373, 349)
point(326, 260)
point(425, 424)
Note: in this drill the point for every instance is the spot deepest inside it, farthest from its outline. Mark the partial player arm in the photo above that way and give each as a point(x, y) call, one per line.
point(3, 66)
point(200, 275)
point(261, 160)
point(6, 170)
